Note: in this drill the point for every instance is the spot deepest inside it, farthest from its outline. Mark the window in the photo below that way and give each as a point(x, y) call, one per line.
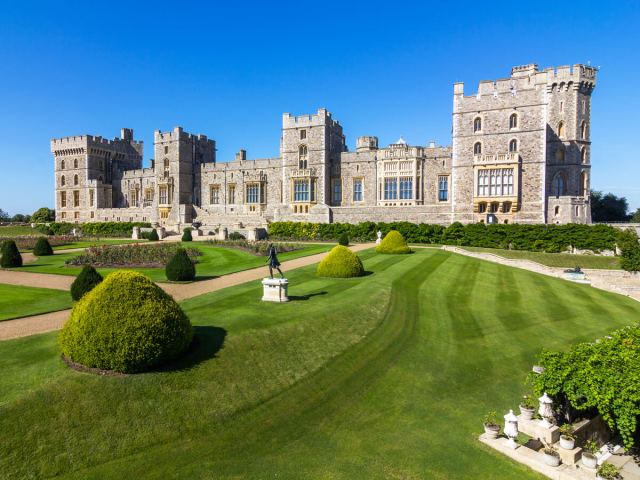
point(75, 179)
point(357, 190)
point(148, 197)
point(62, 181)
point(76, 198)
point(336, 191)
point(495, 182)
point(443, 188)
point(303, 134)
point(583, 131)
point(482, 207)
point(477, 148)
point(406, 188)
point(493, 207)
point(556, 211)
point(62, 165)
point(302, 157)
point(560, 154)
point(561, 107)
point(477, 124)
point(301, 190)
point(584, 106)
point(75, 163)
point(63, 199)
point(63, 215)
point(133, 198)
point(76, 215)
point(91, 193)
point(584, 183)
point(506, 207)
point(390, 188)
point(561, 129)
point(232, 194)
point(583, 155)
point(164, 195)
point(558, 186)
point(513, 121)
point(214, 194)
point(166, 150)
point(513, 146)
point(252, 193)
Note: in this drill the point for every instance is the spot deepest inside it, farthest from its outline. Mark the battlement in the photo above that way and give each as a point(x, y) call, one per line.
point(322, 117)
point(178, 134)
point(366, 143)
point(95, 141)
point(242, 165)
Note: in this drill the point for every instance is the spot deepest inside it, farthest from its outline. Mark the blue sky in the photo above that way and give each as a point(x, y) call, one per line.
point(385, 69)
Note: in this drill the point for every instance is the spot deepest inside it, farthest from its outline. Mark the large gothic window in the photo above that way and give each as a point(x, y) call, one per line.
point(477, 124)
point(62, 181)
point(559, 185)
point(75, 179)
point(75, 163)
point(583, 131)
point(477, 148)
point(583, 155)
point(302, 157)
point(62, 165)
point(513, 146)
point(513, 121)
point(584, 183)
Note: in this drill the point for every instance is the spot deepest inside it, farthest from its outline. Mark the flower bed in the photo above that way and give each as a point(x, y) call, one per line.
point(260, 248)
point(27, 242)
point(154, 255)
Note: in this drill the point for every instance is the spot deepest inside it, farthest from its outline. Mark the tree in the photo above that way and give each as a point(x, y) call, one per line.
point(608, 207)
point(20, 218)
point(4, 216)
point(627, 241)
point(635, 218)
point(43, 215)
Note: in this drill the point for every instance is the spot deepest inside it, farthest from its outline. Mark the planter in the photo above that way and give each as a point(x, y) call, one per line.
point(551, 460)
point(527, 413)
point(567, 443)
point(589, 460)
point(491, 431)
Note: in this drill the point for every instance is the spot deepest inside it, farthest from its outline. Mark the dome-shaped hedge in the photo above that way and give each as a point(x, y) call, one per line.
point(393, 242)
point(340, 263)
point(186, 235)
point(343, 240)
point(180, 268)
point(42, 248)
point(125, 324)
point(10, 256)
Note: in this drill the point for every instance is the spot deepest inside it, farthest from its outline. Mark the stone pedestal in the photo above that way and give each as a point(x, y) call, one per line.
point(535, 429)
point(275, 290)
point(570, 457)
point(135, 235)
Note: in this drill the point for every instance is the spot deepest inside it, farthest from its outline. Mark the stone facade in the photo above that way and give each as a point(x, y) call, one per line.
point(520, 154)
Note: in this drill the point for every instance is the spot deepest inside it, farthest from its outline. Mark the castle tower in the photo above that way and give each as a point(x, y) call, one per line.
point(310, 150)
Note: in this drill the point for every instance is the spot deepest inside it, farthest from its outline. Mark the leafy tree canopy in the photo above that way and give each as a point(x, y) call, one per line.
point(607, 207)
point(43, 215)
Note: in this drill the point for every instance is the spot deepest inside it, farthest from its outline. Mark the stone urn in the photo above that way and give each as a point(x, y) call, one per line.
point(589, 460)
point(527, 413)
point(491, 431)
point(568, 443)
point(551, 458)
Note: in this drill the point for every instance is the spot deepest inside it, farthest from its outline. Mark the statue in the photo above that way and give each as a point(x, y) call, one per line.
point(379, 239)
point(273, 261)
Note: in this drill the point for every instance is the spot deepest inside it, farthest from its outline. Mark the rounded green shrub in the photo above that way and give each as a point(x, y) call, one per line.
point(10, 255)
point(186, 235)
point(126, 324)
point(153, 236)
point(180, 268)
point(86, 281)
point(393, 242)
point(340, 263)
point(42, 248)
point(343, 240)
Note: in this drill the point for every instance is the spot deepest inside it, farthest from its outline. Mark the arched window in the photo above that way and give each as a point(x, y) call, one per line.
point(477, 148)
point(559, 185)
point(75, 163)
point(560, 154)
point(561, 129)
point(62, 165)
point(584, 183)
point(583, 155)
point(477, 124)
point(75, 179)
point(302, 157)
point(513, 146)
point(557, 211)
point(62, 181)
point(583, 130)
point(513, 121)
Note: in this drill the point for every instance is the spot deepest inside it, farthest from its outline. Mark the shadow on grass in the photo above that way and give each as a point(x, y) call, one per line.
point(207, 342)
point(297, 298)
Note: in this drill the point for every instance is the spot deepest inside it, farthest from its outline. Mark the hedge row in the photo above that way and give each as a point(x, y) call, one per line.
point(547, 238)
point(93, 229)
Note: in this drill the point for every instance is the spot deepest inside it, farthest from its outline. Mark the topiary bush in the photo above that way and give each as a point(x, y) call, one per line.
point(186, 235)
point(11, 257)
point(126, 324)
point(42, 248)
point(153, 236)
point(88, 279)
point(340, 263)
point(180, 268)
point(236, 236)
point(343, 240)
point(393, 242)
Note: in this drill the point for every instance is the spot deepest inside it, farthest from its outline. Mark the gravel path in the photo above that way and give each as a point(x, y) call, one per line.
point(22, 327)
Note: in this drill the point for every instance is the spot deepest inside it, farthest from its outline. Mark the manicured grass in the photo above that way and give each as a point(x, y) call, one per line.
point(565, 260)
point(18, 301)
point(16, 231)
point(383, 376)
point(102, 241)
point(214, 262)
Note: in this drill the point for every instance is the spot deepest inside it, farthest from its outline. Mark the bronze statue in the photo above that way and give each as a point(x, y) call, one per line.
point(273, 261)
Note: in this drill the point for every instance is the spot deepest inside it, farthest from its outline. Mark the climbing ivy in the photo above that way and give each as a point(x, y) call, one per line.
point(604, 375)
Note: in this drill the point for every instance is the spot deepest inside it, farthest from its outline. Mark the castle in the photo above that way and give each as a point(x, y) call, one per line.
point(520, 154)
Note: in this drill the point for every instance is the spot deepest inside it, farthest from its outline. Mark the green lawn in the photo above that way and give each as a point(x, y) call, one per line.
point(564, 260)
point(385, 376)
point(214, 262)
point(92, 243)
point(16, 231)
point(18, 301)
